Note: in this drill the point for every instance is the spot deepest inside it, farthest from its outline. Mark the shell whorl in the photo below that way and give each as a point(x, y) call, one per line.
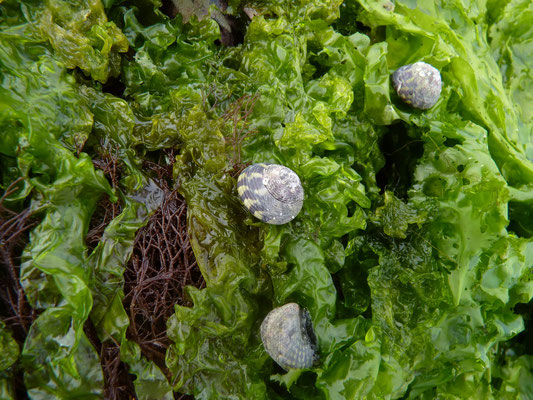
point(272, 193)
point(288, 336)
point(418, 84)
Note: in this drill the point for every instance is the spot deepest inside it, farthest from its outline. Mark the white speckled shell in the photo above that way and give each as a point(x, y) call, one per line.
point(418, 84)
point(272, 193)
point(288, 336)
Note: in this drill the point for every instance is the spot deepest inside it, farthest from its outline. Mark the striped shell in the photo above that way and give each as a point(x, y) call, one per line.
point(288, 336)
point(418, 84)
point(272, 193)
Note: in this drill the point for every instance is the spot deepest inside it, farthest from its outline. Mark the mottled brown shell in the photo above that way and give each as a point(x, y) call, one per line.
point(288, 336)
point(272, 193)
point(418, 84)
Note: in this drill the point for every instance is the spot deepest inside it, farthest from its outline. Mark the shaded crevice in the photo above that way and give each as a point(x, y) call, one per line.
point(348, 22)
point(451, 142)
point(118, 382)
point(235, 36)
point(115, 87)
point(401, 153)
point(521, 219)
point(351, 282)
point(18, 384)
point(168, 8)
point(521, 343)
point(181, 396)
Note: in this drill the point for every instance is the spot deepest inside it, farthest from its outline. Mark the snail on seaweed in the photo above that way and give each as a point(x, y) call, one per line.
point(272, 193)
point(288, 336)
point(418, 84)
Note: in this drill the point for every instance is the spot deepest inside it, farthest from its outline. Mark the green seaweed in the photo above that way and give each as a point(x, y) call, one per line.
point(414, 262)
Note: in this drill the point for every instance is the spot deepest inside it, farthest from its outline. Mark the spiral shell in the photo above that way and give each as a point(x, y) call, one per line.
point(418, 84)
point(271, 192)
point(288, 336)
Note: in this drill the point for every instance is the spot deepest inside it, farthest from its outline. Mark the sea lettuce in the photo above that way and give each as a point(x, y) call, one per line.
point(10, 354)
point(413, 250)
point(444, 269)
point(46, 135)
point(50, 117)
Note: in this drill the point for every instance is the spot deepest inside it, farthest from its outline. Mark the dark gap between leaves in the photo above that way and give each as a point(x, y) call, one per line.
point(118, 382)
point(520, 219)
point(401, 153)
point(522, 341)
point(115, 87)
point(450, 142)
point(348, 23)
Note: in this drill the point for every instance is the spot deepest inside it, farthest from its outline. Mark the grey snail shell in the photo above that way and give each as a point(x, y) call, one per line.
point(288, 336)
point(418, 84)
point(271, 192)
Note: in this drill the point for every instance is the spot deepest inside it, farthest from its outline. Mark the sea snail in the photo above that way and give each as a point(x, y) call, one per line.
point(288, 336)
point(418, 84)
point(272, 193)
